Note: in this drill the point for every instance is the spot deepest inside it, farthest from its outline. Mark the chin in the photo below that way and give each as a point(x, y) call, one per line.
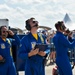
point(5, 36)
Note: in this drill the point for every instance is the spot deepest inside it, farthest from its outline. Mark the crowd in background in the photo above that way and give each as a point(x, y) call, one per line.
point(49, 39)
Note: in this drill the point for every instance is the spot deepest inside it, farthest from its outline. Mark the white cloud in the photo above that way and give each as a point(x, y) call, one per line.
point(47, 12)
point(24, 1)
point(70, 26)
point(4, 6)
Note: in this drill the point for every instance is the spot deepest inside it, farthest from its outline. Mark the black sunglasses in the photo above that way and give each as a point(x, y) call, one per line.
point(5, 31)
point(35, 21)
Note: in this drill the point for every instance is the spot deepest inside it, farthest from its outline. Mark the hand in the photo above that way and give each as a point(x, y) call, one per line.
point(41, 53)
point(10, 32)
point(1, 58)
point(33, 52)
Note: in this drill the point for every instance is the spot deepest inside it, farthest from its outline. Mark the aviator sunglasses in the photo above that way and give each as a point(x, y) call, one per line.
point(4, 31)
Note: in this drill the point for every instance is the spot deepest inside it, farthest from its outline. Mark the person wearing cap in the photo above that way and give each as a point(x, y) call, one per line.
point(34, 58)
point(62, 44)
point(7, 66)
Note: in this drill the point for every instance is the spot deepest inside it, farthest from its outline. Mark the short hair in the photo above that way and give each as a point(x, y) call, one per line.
point(60, 24)
point(28, 27)
point(1, 28)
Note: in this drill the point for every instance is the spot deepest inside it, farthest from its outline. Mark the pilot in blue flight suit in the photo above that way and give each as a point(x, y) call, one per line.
point(62, 44)
point(34, 64)
point(7, 66)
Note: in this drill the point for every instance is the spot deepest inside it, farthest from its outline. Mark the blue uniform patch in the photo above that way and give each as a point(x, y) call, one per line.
point(3, 46)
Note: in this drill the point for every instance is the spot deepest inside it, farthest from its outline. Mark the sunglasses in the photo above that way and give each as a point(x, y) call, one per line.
point(5, 31)
point(35, 21)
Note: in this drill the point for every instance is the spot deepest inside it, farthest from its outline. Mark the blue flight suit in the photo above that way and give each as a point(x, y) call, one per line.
point(34, 65)
point(62, 44)
point(8, 67)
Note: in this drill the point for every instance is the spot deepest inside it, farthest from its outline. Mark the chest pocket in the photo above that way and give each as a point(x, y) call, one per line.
point(10, 46)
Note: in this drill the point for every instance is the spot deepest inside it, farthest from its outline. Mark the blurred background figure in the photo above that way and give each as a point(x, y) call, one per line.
point(52, 54)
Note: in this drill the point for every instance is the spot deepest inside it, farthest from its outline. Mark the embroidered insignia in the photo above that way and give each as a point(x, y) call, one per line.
point(33, 44)
point(2, 46)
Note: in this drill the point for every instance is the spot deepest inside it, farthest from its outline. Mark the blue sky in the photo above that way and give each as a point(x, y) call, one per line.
point(47, 12)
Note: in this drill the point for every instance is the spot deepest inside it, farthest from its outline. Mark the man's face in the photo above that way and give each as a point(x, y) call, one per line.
point(4, 32)
point(33, 24)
